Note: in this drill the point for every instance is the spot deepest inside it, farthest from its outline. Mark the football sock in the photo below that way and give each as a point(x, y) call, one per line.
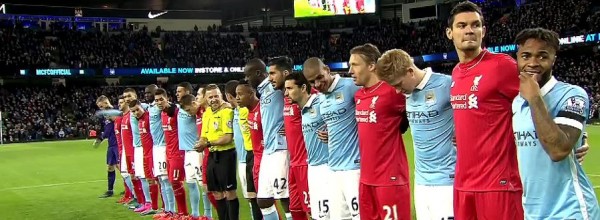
point(164, 196)
point(270, 213)
point(298, 215)
point(139, 193)
point(111, 180)
point(169, 195)
point(154, 195)
point(194, 198)
point(234, 209)
point(179, 192)
point(146, 190)
point(256, 214)
point(222, 209)
point(206, 203)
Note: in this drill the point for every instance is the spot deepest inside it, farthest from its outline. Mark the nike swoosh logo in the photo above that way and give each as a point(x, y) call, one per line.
point(151, 16)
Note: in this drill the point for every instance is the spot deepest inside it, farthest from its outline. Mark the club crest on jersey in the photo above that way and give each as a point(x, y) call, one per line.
point(576, 105)
point(339, 97)
point(312, 113)
point(230, 124)
point(373, 102)
point(475, 86)
point(430, 98)
point(452, 85)
point(358, 102)
point(216, 125)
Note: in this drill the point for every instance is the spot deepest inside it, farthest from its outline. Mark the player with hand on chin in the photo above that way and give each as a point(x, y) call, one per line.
point(146, 173)
point(217, 135)
point(338, 108)
point(298, 90)
point(432, 128)
point(175, 157)
point(549, 117)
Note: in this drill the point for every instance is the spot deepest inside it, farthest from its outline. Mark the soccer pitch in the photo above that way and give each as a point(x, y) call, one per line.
point(62, 180)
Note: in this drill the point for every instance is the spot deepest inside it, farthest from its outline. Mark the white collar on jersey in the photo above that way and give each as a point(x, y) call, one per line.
point(310, 101)
point(336, 79)
point(428, 72)
point(549, 85)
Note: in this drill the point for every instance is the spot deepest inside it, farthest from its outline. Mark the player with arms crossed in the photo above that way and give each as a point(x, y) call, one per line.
point(188, 135)
point(159, 155)
point(217, 135)
point(298, 90)
point(273, 174)
point(112, 152)
point(487, 183)
point(279, 68)
point(243, 146)
point(432, 128)
point(246, 98)
point(338, 108)
point(175, 170)
point(147, 171)
point(548, 119)
point(380, 114)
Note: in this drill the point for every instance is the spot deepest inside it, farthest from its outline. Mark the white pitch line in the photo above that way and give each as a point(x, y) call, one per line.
point(50, 185)
point(596, 187)
point(594, 175)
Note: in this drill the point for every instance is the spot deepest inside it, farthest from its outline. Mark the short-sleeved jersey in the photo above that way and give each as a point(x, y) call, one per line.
point(158, 135)
point(187, 130)
point(432, 127)
point(482, 92)
point(169, 125)
point(117, 129)
point(137, 142)
point(379, 114)
point(292, 121)
point(216, 124)
point(337, 109)
point(145, 134)
point(271, 109)
point(256, 130)
point(238, 136)
point(127, 134)
point(554, 190)
point(312, 121)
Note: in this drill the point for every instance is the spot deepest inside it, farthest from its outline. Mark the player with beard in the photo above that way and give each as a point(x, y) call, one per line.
point(207, 197)
point(548, 119)
point(337, 109)
point(129, 195)
point(272, 174)
point(279, 68)
point(381, 117)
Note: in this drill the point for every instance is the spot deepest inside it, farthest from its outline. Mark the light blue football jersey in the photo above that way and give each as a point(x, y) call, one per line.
point(311, 122)
point(338, 111)
point(135, 129)
point(271, 113)
point(158, 135)
point(238, 137)
point(187, 131)
point(553, 190)
point(432, 127)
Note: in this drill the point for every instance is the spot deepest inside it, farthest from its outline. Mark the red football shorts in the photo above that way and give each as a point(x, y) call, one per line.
point(298, 183)
point(129, 160)
point(175, 169)
point(384, 202)
point(148, 168)
point(488, 205)
point(256, 168)
point(204, 165)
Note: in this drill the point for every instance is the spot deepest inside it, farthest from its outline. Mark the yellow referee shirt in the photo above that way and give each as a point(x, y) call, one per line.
point(215, 125)
point(245, 128)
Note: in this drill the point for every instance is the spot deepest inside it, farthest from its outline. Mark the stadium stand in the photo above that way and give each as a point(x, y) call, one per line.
point(26, 117)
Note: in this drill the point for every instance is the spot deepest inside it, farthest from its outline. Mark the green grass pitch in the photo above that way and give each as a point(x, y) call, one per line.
point(303, 9)
point(62, 180)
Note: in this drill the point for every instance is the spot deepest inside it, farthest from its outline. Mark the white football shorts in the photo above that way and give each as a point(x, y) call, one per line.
point(243, 181)
point(159, 157)
point(318, 183)
point(192, 166)
point(434, 202)
point(273, 176)
point(138, 162)
point(343, 194)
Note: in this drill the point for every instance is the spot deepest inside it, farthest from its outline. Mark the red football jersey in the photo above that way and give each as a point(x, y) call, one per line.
point(256, 131)
point(127, 134)
point(482, 92)
point(144, 125)
point(292, 121)
point(199, 120)
point(379, 114)
point(118, 134)
point(169, 125)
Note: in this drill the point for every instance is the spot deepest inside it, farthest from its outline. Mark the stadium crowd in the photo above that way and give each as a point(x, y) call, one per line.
point(57, 48)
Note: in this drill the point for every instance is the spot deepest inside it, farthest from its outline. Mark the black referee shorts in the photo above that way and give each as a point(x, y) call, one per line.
point(250, 187)
point(221, 171)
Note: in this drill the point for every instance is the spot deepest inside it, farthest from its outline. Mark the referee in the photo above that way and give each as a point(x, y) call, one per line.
point(217, 135)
